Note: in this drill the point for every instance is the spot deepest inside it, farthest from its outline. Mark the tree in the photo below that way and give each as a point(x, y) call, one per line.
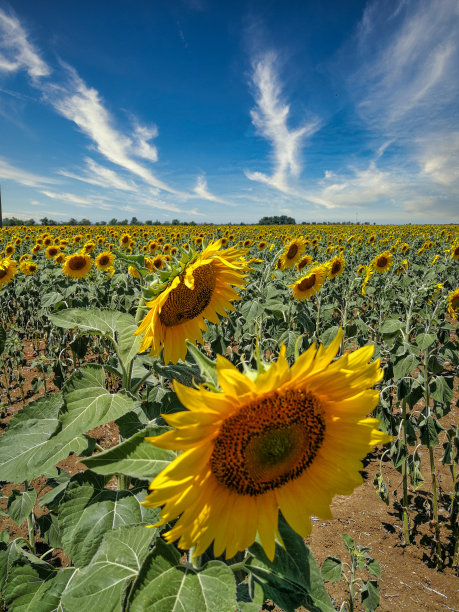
point(113, 221)
point(85, 222)
point(277, 220)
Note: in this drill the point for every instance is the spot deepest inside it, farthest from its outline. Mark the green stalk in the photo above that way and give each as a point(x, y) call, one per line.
point(195, 562)
point(30, 524)
point(433, 473)
point(406, 525)
point(319, 300)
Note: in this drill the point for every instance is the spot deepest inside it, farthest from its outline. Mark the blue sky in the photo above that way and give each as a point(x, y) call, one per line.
point(226, 111)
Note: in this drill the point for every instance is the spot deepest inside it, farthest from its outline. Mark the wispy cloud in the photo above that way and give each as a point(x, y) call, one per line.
point(16, 52)
point(68, 197)
point(203, 192)
point(18, 175)
point(83, 105)
point(270, 118)
point(101, 176)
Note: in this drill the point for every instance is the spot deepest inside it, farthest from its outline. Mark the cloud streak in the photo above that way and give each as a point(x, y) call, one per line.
point(16, 52)
point(22, 177)
point(270, 118)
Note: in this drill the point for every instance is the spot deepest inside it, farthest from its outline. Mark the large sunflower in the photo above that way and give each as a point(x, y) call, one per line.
point(382, 262)
point(8, 269)
point(453, 304)
point(104, 260)
point(336, 266)
point(309, 284)
point(77, 265)
point(287, 439)
point(202, 291)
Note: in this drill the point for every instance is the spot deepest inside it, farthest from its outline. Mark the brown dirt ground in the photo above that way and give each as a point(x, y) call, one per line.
point(409, 579)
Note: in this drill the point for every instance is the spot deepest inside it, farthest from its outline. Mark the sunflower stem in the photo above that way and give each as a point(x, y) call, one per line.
point(195, 562)
point(406, 524)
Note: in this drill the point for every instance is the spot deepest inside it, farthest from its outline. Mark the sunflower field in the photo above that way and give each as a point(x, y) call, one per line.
point(180, 405)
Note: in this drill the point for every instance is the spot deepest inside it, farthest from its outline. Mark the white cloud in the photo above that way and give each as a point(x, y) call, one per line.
point(83, 105)
point(7, 171)
point(439, 157)
point(270, 119)
point(101, 176)
point(202, 191)
point(16, 52)
point(68, 197)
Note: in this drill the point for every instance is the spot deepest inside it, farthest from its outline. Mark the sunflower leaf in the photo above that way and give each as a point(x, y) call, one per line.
point(20, 505)
point(2, 339)
point(207, 367)
point(167, 585)
point(134, 457)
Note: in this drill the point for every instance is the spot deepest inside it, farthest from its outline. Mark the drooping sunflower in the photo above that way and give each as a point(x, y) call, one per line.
point(453, 304)
point(336, 266)
point(361, 270)
point(308, 285)
point(201, 291)
point(304, 261)
point(382, 262)
point(77, 265)
point(292, 253)
point(403, 267)
point(104, 260)
point(8, 269)
point(288, 439)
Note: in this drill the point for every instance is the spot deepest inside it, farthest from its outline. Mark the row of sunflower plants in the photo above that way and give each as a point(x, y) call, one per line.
point(116, 561)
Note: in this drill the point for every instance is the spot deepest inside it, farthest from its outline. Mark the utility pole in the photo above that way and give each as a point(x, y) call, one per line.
point(1, 218)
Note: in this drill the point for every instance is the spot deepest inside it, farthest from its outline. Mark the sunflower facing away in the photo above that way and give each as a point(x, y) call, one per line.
point(287, 439)
point(202, 291)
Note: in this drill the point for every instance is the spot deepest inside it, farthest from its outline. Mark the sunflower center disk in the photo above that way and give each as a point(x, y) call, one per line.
point(307, 283)
point(268, 442)
point(382, 262)
point(77, 263)
point(293, 250)
point(3, 273)
point(336, 267)
point(183, 303)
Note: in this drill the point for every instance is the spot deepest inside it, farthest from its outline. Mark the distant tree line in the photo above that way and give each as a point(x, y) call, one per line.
point(277, 220)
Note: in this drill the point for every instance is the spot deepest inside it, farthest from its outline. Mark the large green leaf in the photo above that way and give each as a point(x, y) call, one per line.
point(101, 584)
point(88, 511)
point(134, 457)
point(27, 448)
point(118, 326)
point(165, 586)
point(293, 578)
point(88, 403)
point(20, 505)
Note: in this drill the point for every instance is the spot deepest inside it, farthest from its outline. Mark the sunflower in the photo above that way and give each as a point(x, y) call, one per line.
point(336, 266)
point(288, 439)
point(310, 284)
point(453, 304)
point(382, 262)
point(455, 253)
point(59, 259)
point(133, 272)
point(435, 259)
point(261, 246)
point(361, 270)
point(77, 265)
point(292, 253)
point(52, 251)
point(402, 267)
point(7, 270)
point(9, 249)
point(202, 291)
point(28, 267)
point(104, 260)
point(304, 261)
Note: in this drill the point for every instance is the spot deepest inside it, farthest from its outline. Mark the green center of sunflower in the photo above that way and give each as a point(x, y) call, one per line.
point(307, 283)
point(77, 262)
point(183, 304)
point(293, 250)
point(269, 442)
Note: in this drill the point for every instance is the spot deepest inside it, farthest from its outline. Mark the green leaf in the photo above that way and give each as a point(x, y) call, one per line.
point(425, 340)
point(332, 569)
point(134, 457)
point(49, 299)
point(293, 578)
point(370, 595)
point(405, 366)
point(374, 568)
point(21, 504)
point(381, 488)
point(88, 511)
point(390, 326)
point(441, 391)
point(101, 584)
point(118, 326)
point(165, 586)
point(348, 542)
point(88, 403)
point(207, 367)
point(27, 448)
point(329, 335)
point(251, 309)
point(428, 432)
